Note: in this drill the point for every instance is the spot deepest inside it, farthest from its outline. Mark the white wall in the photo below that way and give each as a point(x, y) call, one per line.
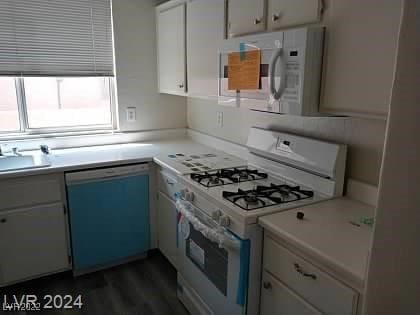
point(393, 285)
point(361, 45)
point(136, 69)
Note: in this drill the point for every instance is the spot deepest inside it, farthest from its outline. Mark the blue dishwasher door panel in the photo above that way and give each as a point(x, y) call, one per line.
point(109, 220)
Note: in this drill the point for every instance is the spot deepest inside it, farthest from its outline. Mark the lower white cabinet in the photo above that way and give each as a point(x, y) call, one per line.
point(276, 298)
point(300, 287)
point(33, 242)
point(167, 225)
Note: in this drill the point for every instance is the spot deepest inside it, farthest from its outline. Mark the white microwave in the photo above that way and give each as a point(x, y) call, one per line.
point(290, 71)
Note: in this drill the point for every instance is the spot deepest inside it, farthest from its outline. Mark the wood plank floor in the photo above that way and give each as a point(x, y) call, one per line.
point(143, 287)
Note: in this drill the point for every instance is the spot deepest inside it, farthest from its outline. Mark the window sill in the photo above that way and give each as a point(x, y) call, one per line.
point(17, 137)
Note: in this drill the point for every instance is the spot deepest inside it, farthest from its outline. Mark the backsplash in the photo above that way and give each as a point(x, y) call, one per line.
point(365, 137)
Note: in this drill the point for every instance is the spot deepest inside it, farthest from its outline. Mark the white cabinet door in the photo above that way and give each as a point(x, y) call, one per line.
point(285, 13)
point(276, 298)
point(245, 17)
point(314, 285)
point(205, 34)
point(167, 225)
point(171, 49)
point(33, 241)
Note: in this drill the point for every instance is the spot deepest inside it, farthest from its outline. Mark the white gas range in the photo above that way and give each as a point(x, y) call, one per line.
point(220, 243)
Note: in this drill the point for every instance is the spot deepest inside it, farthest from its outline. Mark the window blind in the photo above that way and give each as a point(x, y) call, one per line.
point(56, 38)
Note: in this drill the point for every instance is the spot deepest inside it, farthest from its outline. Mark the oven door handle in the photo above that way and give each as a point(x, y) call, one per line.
point(219, 235)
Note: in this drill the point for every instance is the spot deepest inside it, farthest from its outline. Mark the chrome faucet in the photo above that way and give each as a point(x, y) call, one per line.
point(15, 152)
point(8, 152)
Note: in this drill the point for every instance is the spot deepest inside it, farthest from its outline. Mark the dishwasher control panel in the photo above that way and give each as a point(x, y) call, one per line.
point(107, 172)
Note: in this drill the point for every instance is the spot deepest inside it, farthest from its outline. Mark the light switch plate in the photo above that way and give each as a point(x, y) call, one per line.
point(219, 118)
point(131, 114)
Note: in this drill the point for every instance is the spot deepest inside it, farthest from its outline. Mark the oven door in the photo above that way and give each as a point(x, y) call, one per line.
point(213, 262)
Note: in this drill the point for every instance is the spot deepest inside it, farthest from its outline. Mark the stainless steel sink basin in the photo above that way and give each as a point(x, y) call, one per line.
point(14, 163)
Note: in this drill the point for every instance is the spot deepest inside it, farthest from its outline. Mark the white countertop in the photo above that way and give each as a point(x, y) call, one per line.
point(116, 154)
point(327, 236)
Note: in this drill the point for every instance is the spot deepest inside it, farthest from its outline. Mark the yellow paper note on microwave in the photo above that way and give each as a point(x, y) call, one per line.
point(244, 74)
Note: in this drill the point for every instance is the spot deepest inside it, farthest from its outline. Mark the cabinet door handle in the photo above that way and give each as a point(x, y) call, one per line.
point(275, 17)
point(303, 273)
point(267, 285)
point(169, 183)
point(257, 21)
point(4, 220)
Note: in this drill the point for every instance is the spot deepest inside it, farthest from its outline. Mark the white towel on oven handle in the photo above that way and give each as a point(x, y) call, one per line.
point(219, 235)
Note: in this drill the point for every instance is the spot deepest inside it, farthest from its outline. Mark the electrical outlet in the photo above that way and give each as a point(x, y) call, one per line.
point(219, 119)
point(131, 114)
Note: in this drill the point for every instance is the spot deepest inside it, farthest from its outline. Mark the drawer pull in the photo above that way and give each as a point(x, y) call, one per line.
point(169, 183)
point(305, 274)
point(267, 285)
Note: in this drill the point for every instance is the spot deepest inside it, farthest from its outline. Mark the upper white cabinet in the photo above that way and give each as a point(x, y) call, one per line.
point(249, 16)
point(170, 24)
point(285, 13)
point(245, 17)
point(205, 33)
point(361, 48)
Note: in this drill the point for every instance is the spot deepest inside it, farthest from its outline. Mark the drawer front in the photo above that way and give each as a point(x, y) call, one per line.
point(30, 190)
point(276, 298)
point(168, 184)
point(318, 288)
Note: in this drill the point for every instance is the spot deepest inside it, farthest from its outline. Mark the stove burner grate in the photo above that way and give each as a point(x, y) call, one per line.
point(265, 196)
point(227, 176)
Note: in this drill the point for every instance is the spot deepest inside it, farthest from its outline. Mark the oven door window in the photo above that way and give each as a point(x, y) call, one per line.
point(209, 258)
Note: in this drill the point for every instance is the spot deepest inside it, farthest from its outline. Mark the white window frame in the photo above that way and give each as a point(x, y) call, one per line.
point(25, 131)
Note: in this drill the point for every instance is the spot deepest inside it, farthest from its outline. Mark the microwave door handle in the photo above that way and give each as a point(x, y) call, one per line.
point(277, 56)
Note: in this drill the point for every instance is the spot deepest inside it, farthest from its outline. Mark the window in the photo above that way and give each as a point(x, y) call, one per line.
point(56, 66)
point(45, 104)
point(9, 115)
point(67, 102)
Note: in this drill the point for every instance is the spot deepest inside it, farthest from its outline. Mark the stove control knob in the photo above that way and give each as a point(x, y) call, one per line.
point(224, 221)
point(216, 214)
point(182, 192)
point(187, 195)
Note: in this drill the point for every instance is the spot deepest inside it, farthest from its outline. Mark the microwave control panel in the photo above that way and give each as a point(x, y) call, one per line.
point(292, 76)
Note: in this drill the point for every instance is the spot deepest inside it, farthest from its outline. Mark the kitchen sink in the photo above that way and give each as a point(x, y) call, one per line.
point(30, 161)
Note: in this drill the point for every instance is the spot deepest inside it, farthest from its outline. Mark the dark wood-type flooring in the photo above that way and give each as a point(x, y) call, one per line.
point(143, 287)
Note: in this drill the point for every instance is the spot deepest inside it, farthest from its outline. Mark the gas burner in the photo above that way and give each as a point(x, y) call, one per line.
point(227, 176)
point(265, 196)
